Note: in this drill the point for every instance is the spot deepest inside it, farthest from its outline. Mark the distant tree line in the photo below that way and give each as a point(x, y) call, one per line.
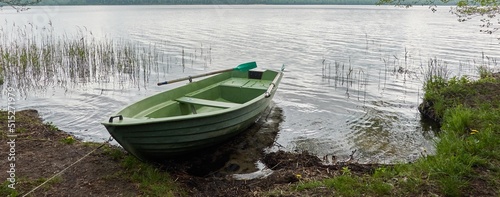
point(19, 5)
point(206, 2)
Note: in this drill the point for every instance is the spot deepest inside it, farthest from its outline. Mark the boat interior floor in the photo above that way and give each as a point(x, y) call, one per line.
point(219, 96)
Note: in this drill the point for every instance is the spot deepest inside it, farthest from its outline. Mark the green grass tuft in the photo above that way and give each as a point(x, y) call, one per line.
point(6, 191)
point(309, 185)
point(52, 127)
point(345, 185)
point(68, 140)
point(152, 181)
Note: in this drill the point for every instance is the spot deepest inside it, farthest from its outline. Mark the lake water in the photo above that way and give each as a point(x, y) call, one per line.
point(367, 104)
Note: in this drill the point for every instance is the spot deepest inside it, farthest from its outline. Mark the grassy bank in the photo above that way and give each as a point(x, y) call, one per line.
point(468, 150)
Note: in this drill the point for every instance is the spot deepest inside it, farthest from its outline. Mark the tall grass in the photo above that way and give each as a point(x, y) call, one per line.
point(36, 57)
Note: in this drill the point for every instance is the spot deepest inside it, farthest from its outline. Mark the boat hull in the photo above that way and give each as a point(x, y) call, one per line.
point(162, 138)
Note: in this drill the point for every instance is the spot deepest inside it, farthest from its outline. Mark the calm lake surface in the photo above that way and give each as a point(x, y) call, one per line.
point(353, 76)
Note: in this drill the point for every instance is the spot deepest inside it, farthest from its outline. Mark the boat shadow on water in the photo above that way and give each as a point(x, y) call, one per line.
point(239, 155)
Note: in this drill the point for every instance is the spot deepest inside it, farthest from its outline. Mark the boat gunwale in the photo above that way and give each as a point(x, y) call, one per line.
point(140, 121)
point(137, 121)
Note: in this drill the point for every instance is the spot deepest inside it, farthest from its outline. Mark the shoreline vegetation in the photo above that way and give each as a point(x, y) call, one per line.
point(466, 162)
point(35, 57)
point(221, 2)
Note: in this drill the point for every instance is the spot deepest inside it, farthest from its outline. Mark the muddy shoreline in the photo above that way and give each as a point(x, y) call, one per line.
point(42, 151)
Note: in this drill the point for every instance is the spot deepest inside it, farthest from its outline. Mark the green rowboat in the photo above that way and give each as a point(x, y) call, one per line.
point(195, 116)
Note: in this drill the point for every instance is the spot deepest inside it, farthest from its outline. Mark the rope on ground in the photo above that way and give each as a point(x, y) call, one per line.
point(60, 172)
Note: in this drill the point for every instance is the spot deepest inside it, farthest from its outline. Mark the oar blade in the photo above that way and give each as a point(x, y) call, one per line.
point(246, 66)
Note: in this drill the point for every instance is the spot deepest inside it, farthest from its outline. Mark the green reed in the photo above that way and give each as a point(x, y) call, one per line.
point(393, 68)
point(37, 57)
point(30, 56)
point(349, 78)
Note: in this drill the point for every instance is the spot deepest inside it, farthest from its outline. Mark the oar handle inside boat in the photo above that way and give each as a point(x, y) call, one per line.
point(272, 85)
point(269, 90)
point(192, 77)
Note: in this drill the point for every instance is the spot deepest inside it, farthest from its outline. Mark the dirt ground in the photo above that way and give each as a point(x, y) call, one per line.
point(41, 152)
